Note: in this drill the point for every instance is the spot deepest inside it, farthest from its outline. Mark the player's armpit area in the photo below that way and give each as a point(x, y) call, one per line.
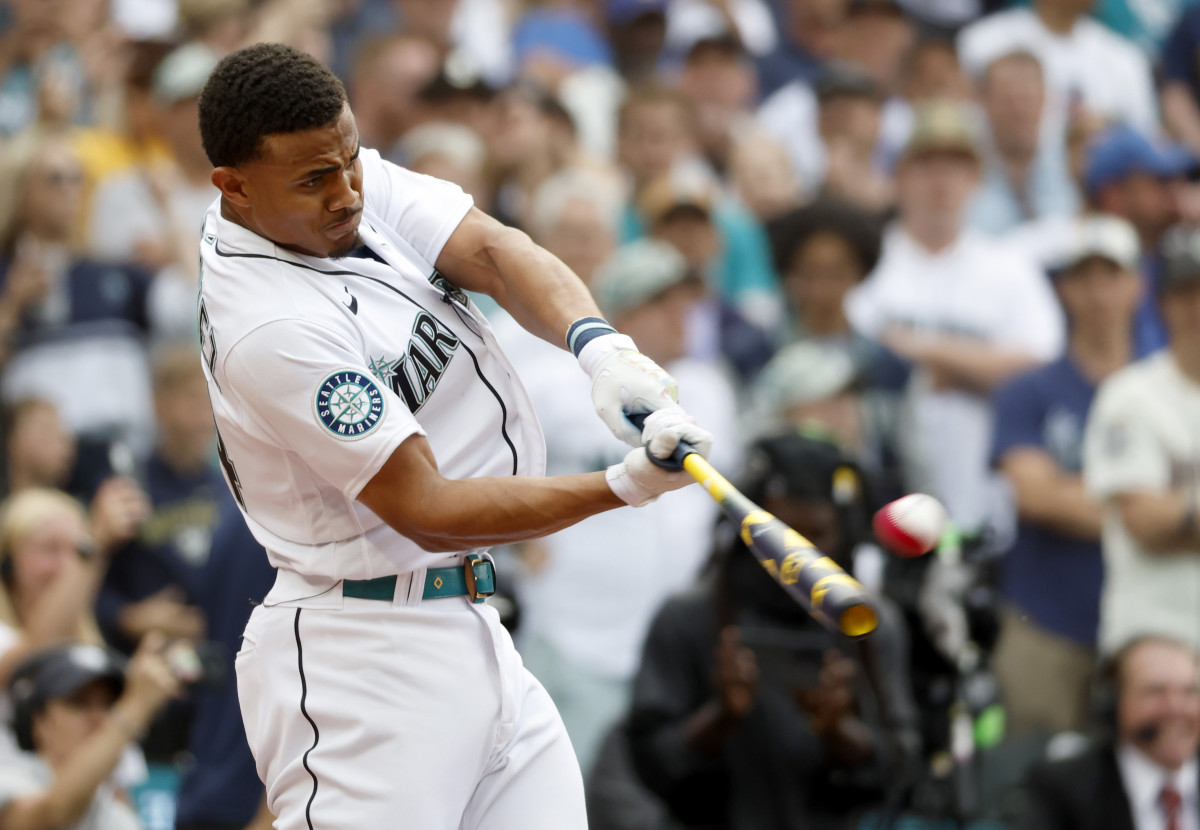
point(442, 514)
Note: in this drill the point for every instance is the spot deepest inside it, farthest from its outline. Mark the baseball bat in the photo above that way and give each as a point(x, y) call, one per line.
point(819, 584)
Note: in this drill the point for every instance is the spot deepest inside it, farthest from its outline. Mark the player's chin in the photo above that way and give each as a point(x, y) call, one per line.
point(350, 243)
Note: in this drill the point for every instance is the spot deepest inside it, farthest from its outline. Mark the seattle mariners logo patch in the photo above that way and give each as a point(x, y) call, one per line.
point(349, 404)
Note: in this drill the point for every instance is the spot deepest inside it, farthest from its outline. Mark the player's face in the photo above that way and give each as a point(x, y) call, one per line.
point(304, 191)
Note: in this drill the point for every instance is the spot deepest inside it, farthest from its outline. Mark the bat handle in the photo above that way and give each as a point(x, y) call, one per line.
point(682, 450)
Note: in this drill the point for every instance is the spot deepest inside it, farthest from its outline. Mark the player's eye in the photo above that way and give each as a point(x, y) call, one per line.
point(311, 183)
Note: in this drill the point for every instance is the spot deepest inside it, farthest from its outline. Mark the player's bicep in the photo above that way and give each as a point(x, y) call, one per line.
point(306, 389)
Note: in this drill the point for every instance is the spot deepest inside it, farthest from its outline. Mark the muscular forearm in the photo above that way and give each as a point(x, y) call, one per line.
point(529, 282)
point(451, 515)
point(1161, 522)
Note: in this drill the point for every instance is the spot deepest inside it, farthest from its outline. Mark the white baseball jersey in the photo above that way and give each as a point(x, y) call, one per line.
point(318, 369)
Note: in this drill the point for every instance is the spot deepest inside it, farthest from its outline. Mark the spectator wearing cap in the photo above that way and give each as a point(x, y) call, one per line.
point(680, 210)
point(1142, 461)
point(1024, 177)
point(1054, 570)
point(583, 645)
point(76, 709)
point(150, 213)
point(1140, 180)
point(1086, 64)
point(967, 313)
point(752, 22)
point(637, 31)
point(657, 140)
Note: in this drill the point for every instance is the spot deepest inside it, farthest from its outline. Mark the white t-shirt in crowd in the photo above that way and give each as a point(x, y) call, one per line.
point(1143, 434)
point(976, 289)
point(604, 579)
point(29, 775)
point(1093, 65)
point(318, 369)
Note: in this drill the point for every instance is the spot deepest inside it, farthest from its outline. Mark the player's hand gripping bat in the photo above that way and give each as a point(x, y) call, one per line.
point(814, 580)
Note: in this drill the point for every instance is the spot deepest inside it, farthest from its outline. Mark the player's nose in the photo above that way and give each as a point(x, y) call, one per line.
point(345, 195)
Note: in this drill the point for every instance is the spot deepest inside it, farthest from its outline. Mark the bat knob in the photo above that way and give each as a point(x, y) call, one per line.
point(682, 450)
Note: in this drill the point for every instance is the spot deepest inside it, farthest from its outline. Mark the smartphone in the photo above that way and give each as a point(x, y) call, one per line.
point(787, 659)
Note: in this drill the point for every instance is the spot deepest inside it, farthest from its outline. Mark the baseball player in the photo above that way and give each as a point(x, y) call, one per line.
point(378, 442)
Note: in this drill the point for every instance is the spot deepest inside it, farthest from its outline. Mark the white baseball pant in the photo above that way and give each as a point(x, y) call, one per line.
point(413, 717)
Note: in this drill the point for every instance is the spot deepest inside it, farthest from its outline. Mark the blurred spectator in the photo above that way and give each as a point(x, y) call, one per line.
point(808, 32)
point(966, 312)
point(1024, 178)
point(657, 139)
point(876, 37)
point(823, 251)
point(832, 131)
point(1085, 63)
point(451, 152)
point(815, 388)
point(735, 671)
point(1141, 181)
point(154, 585)
point(637, 31)
point(531, 138)
point(583, 646)
point(41, 74)
point(50, 569)
point(386, 78)
point(680, 210)
point(1179, 93)
point(1144, 774)
point(931, 71)
point(220, 788)
point(1143, 462)
point(149, 214)
point(718, 77)
point(1053, 573)
point(75, 329)
point(762, 175)
point(574, 215)
point(38, 450)
point(77, 709)
point(221, 25)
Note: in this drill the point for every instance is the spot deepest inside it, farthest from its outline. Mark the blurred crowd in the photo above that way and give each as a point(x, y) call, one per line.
point(885, 246)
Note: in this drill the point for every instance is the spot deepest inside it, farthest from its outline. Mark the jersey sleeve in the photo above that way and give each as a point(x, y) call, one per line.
point(1120, 453)
point(1019, 412)
point(422, 209)
point(304, 388)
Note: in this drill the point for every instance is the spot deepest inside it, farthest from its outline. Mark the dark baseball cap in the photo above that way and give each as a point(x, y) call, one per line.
point(1121, 151)
point(60, 672)
point(1181, 253)
point(623, 12)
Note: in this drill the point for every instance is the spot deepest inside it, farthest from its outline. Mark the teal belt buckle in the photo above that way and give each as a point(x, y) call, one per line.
point(475, 578)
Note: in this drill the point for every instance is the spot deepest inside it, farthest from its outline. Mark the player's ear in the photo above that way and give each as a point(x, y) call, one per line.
point(232, 184)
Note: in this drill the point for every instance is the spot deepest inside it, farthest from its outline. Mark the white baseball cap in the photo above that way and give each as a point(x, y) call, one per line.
point(1100, 235)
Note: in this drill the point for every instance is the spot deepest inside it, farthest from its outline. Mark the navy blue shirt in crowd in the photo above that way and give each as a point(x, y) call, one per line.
point(172, 547)
point(222, 787)
point(1054, 578)
point(1179, 51)
point(94, 292)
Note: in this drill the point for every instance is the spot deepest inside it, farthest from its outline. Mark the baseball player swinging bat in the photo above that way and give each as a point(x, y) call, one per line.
point(814, 580)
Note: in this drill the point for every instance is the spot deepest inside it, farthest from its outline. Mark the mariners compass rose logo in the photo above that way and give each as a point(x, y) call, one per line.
point(349, 404)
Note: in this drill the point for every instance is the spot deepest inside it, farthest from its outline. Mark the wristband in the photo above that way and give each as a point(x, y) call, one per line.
point(584, 331)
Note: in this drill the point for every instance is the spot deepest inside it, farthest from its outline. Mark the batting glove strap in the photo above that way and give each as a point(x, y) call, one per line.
point(638, 481)
point(625, 381)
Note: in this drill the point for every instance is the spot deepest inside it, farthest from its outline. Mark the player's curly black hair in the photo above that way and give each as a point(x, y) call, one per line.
point(263, 89)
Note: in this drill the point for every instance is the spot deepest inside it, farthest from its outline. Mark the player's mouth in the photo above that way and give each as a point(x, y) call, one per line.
point(344, 226)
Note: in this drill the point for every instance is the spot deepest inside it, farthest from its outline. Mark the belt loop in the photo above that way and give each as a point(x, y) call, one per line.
point(416, 589)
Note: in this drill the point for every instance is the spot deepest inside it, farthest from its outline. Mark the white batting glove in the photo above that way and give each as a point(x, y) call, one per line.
point(638, 480)
point(625, 381)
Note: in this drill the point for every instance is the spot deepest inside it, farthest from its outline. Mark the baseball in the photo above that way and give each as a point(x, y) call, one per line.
point(910, 526)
